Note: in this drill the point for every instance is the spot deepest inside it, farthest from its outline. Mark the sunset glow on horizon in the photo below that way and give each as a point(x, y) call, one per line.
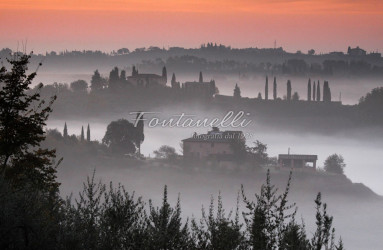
point(109, 25)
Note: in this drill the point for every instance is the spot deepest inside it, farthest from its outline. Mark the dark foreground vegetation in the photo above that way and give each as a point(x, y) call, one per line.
point(34, 216)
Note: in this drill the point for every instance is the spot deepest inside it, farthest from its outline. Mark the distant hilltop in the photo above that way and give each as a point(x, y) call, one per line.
point(217, 59)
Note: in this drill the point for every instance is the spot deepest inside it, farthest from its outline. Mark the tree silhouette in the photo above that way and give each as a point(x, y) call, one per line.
point(200, 77)
point(82, 137)
point(318, 92)
point(314, 92)
point(165, 74)
point(267, 89)
point(114, 79)
point(334, 164)
point(79, 86)
point(237, 92)
point(88, 133)
point(288, 90)
point(309, 90)
point(65, 132)
point(326, 92)
point(121, 137)
point(22, 121)
point(97, 82)
point(275, 88)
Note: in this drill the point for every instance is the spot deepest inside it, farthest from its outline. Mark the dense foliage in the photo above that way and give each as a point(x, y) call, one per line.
point(33, 216)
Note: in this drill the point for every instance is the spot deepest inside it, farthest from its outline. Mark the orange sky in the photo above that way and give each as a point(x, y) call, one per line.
point(98, 24)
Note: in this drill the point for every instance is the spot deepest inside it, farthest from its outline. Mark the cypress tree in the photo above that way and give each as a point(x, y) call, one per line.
point(88, 133)
point(318, 92)
point(65, 132)
point(289, 90)
point(314, 92)
point(173, 78)
point(237, 91)
point(326, 92)
point(267, 88)
point(309, 90)
point(82, 133)
point(275, 88)
point(165, 74)
point(200, 77)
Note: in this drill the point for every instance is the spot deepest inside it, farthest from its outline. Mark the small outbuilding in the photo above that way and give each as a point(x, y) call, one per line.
point(297, 161)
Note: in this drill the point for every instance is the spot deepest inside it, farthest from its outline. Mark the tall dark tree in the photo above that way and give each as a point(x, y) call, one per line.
point(121, 137)
point(82, 137)
point(65, 132)
point(97, 82)
point(309, 90)
point(318, 92)
point(334, 164)
point(200, 77)
point(123, 77)
point(289, 89)
point(88, 133)
point(267, 88)
point(114, 79)
point(237, 91)
point(22, 121)
point(164, 226)
point(165, 74)
point(326, 92)
point(79, 86)
point(275, 88)
point(173, 78)
point(314, 92)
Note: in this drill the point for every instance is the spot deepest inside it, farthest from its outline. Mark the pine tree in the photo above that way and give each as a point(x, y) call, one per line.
point(314, 92)
point(267, 89)
point(82, 138)
point(173, 79)
point(97, 82)
point(237, 92)
point(289, 90)
point(164, 226)
point(309, 90)
point(318, 92)
point(88, 133)
point(275, 88)
point(200, 77)
point(65, 132)
point(22, 119)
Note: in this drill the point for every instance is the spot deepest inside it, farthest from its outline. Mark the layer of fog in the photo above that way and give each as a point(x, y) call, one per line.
point(362, 153)
point(348, 90)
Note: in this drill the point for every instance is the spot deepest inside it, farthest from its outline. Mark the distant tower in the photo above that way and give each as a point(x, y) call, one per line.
point(88, 133)
point(65, 132)
point(82, 133)
point(200, 77)
point(165, 74)
point(267, 88)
